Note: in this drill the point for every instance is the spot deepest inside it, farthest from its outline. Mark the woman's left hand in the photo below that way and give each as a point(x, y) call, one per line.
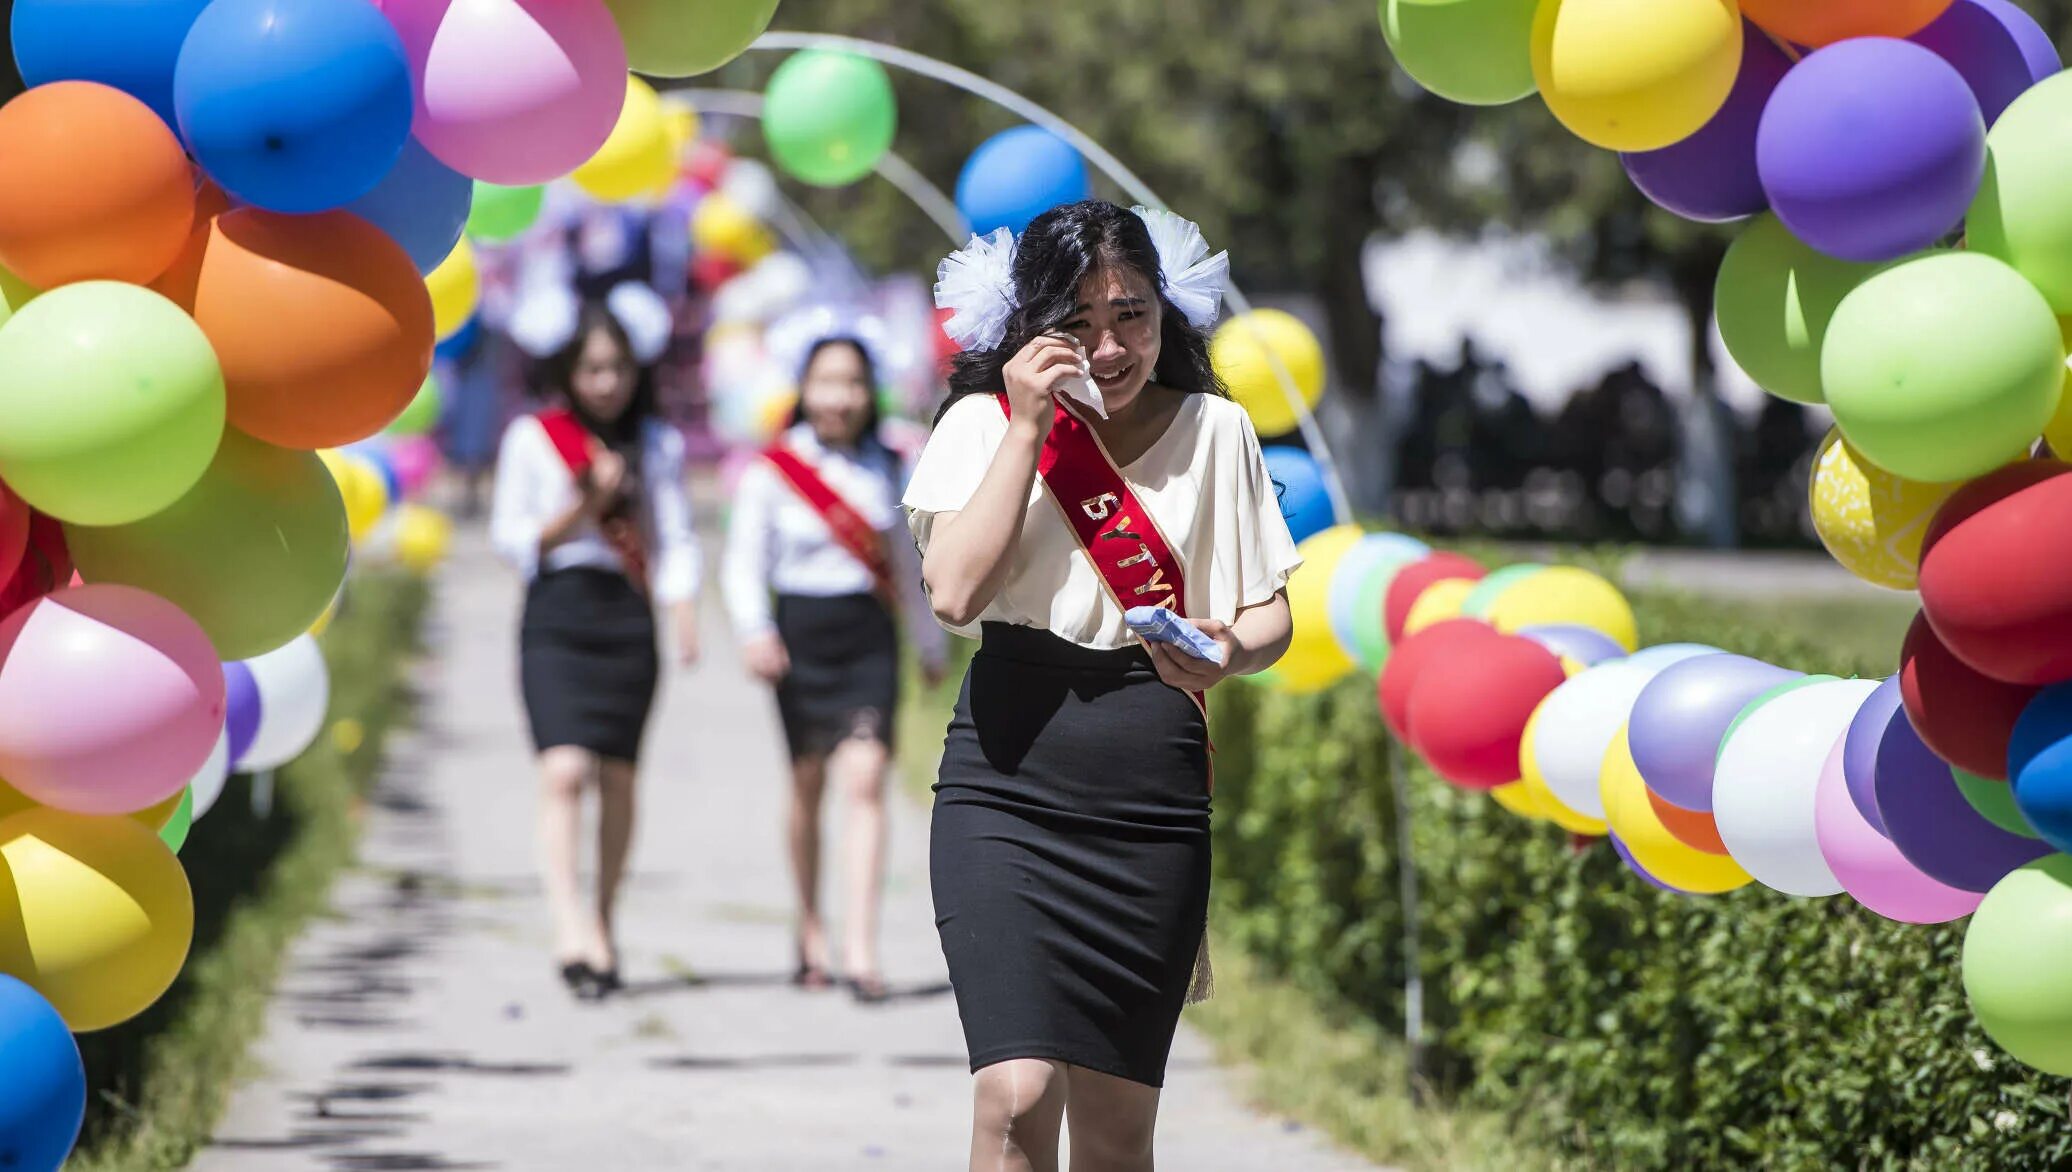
point(1189, 674)
point(685, 624)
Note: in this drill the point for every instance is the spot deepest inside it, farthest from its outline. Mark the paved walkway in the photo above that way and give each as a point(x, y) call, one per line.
point(421, 1026)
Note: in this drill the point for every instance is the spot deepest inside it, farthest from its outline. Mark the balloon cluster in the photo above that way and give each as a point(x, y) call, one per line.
point(232, 231)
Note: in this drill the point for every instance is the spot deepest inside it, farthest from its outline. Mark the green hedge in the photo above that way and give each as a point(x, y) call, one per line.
point(1616, 1026)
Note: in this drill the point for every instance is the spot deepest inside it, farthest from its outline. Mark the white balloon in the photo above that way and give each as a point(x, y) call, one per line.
point(294, 694)
point(208, 784)
point(1767, 786)
point(752, 186)
point(1577, 722)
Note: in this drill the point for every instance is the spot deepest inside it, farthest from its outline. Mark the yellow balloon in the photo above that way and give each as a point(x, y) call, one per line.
point(456, 289)
point(2058, 432)
point(95, 914)
point(1636, 75)
point(1440, 601)
point(1566, 596)
point(1520, 800)
point(323, 623)
point(361, 486)
point(1535, 784)
point(639, 156)
point(720, 225)
point(1632, 817)
point(422, 537)
point(14, 801)
point(1244, 352)
point(1869, 519)
point(1314, 660)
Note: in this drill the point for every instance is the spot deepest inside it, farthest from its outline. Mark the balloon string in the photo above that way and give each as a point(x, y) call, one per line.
point(1790, 51)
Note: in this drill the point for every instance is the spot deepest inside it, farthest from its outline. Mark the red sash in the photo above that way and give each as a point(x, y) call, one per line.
point(620, 527)
point(857, 536)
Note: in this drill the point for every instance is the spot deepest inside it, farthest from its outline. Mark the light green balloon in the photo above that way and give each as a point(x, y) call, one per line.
point(829, 117)
point(2020, 214)
point(174, 832)
point(1477, 52)
point(112, 401)
point(253, 553)
point(422, 415)
point(1479, 600)
point(14, 293)
point(499, 212)
point(2017, 951)
point(682, 38)
point(1994, 801)
point(1943, 367)
point(1774, 297)
point(1748, 709)
point(1371, 632)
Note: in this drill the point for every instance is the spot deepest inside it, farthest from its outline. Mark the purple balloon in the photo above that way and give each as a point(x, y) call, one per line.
point(240, 708)
point(2000, 50)
point(1711, 176)
point(1677, 722)
point(1927, 818)
point(1860, 751)
point(1627, 857)
point(1871, 149)
point(1585, 645)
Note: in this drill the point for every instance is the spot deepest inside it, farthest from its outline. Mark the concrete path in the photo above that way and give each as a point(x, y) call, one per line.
point(421, 1026)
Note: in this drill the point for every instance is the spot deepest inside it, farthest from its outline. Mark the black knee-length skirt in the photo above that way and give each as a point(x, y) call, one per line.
point(844, 678)
point(1070, 854)
point(587, 661)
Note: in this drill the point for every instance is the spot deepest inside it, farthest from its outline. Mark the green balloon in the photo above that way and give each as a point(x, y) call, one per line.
point(682, 38)
point(174, 832)
point(113, 403)
point(1479, 600)
point(14, 293)
point(1943, 367)
point(1748, 710)
point(1476, 52)
point(254, 552)
point(1994, 801)
point(2017, 951)
point(829, 117)
point(2020, 214)
point(499, 212)
point(422, 415)
point(1371, 630)
point(1774, 298)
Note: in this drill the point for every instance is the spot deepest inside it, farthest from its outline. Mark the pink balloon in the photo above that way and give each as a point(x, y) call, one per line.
point(415, 458)
point(111, 699)
point(513, 91)
point(1869, 867)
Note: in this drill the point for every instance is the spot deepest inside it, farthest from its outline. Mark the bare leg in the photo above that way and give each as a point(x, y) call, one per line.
point(1016, 1108)
point(808, 782)
point(1112, 1121)
point(564, 771)
point(616, 792)
point(858, 768)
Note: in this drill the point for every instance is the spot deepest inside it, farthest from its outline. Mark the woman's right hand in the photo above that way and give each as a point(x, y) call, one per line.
point(1039, 371)
point(766, 658)
point(607, 477)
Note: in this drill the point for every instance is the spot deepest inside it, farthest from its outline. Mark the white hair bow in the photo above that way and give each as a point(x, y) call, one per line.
point(544, 319)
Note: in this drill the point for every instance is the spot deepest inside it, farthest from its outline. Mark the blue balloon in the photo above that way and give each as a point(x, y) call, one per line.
point(462, 343)
point(377, 455)
point(42, 1082)
point(1017, 175)
point(294, 105)
point(131, 45)
point(422, 204)
point(2039, 764)
point(1305, 503)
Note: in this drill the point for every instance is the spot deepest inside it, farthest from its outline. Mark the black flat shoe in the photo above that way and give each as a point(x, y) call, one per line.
point(576, 974)
point(608, 980)
point(868, 990)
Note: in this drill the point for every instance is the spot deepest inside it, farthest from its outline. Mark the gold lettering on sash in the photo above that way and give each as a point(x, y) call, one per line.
point(1098, 508)
point(1138, 558)
point(1157, 582)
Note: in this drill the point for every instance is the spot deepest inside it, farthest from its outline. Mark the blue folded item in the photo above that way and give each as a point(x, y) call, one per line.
point(1158, 624)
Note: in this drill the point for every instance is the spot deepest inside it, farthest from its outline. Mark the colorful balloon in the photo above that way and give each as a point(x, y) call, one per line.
point(2000, 50)
point(1768, 776)
point(2016, 950)
point(2019, 216)
point(422, 204)
point(1822, 22)
point(1476, 52)
point(1299, 483)
point(500, 213)
point(40, 1066)
point(1869, 520)
point(1994, 801)
point(1682, 714)
point(2012, 626)
point(1357, 590)
point(131, 45)
point(1467, 717)
point(46, 565)
point(683, 38)
point(1534, 783)
point(1566, 596)
point(422, 415)
point(294, 693)
point(828, 117)
point(1658, 851)
point(1869, 867)
point(1577, 724)
point(1436, 648)
point(1860, 750)
point(1485, 592)
point(240, 711)
point(1017, 175)
point(638, 158)
point(722, 228)
point(1262, 354)
point(1580, 645)
point(1964, 716)
point(2039, 762)
point(1774, 299)
point(1928, 819)
point(1314, 660)
point(422, 537)
point(1411, 583)
point(1635, 78)
point(1711, 176)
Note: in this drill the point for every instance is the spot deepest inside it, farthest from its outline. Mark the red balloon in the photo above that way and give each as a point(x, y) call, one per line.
point(1996, 581)
point(46, 565)
point(1443, 642)
point(1412, 580)
point(1468, 715)
point(706, 162)
point(15, 515)
point(712, 270)
point(1965, 718)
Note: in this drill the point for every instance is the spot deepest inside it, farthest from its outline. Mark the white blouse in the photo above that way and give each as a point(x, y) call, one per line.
point(1204, 482)
point(534, 485)
point(777, 544)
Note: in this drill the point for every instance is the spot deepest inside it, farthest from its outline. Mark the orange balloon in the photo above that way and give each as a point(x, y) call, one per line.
point(1693, 828)
point(322, 323)
point(1823, 22)
point(177, 282)
point(93, 187)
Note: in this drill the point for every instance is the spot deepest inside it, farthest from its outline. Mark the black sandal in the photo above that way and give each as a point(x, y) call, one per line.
point(811, 977)
point(576, 974)
point(868, 990)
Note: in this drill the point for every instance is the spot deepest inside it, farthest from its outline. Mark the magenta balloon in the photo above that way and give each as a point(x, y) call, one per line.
point(1928, 819)
point(1869, 867)
point(1860, 750)
point(1711, 176)
point(2000, 50)
point(1871, 149)
point(1676, 724)
point(111, 699)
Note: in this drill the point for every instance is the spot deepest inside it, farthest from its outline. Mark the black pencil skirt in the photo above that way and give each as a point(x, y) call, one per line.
point(844, 678)
point(1070, 854)
point(587, 661)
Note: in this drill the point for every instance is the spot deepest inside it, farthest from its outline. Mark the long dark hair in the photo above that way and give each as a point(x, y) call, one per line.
point(874, 415)
point(1061, 249)
point(554, 378)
